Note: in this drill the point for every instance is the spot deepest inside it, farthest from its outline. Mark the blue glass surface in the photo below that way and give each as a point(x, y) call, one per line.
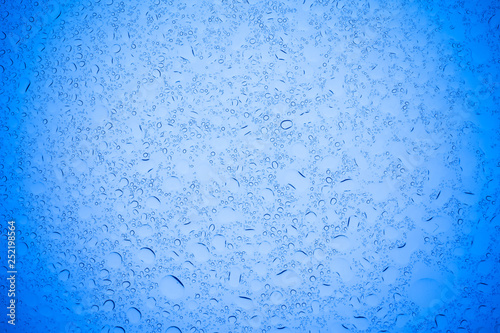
point(250, 166)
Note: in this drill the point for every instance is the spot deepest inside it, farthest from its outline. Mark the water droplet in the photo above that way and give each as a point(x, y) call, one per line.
point(200, 252)
point(286, 124)
point(425, 291)
point(153, 202)
point(171, 287)
point(244, 302)
point(134, 315)
point(116, 48)
point(144, 231)
point(37, 188)
point(123, 182)
point(341, 243)
point(114, 260)
point(361, 323)
point(288, 278)
point(146, 255)
point(64, 275)
point(319, 254)
point(108, 305)
point(255, 321)
point(342, 267)
point(276, 297)
point(171, 184)
point(219, 243)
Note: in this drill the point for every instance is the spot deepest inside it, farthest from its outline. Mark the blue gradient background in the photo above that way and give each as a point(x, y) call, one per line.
point(226, 166)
